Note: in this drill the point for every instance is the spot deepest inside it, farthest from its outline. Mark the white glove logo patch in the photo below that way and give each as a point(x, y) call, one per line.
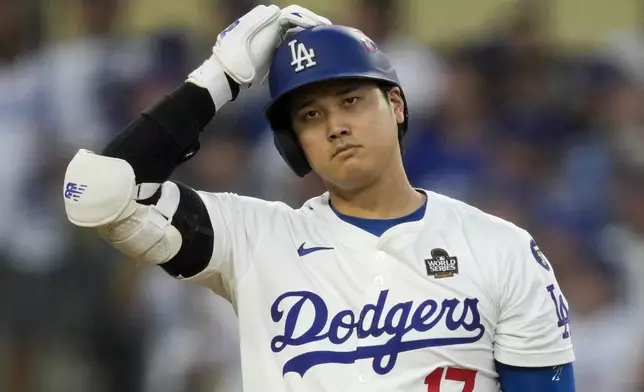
point(229, 29)
point(74, 191)
point(302, 56)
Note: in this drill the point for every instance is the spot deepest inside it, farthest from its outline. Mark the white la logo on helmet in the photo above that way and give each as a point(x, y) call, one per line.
point(302, 57)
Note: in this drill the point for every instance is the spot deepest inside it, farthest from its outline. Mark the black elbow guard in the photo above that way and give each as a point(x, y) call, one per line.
point(193, 222)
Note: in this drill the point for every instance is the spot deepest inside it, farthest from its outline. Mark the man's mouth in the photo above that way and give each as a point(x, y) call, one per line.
point(345, 149)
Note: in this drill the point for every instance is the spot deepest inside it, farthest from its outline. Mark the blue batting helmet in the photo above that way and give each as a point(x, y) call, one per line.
point(314, 55)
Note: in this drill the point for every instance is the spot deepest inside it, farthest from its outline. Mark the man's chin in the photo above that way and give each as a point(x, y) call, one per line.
point(352, 175)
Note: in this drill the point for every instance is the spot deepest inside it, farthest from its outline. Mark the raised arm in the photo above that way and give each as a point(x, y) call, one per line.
point(123, 192)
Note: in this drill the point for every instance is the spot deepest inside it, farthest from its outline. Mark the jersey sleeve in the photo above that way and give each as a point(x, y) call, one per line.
point(560, 378)
point(533, 327)
point(238, 223)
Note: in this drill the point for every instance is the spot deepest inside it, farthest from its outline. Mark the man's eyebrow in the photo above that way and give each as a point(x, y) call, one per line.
point(302, 105)
point(348, 89)
point(345, 90)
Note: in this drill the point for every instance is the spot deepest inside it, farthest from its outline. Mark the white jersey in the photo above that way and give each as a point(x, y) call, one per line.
point(426, 307)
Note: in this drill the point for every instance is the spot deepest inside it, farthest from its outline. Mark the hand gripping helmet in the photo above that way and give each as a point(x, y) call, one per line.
point(314, 55)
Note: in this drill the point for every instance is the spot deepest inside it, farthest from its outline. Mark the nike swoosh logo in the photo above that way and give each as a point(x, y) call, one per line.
point(302, 251)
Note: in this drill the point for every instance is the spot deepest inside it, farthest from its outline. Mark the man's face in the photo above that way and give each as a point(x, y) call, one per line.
point(348, 130)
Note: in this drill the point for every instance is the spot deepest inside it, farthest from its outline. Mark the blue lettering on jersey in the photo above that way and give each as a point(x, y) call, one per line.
point(563, 312)
point(399, 320)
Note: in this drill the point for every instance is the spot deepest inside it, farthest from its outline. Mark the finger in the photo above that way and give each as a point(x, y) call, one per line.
point(302, 17)
point(306, 20)
point(298, 23)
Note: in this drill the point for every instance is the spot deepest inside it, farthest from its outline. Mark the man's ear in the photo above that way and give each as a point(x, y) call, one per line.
point(394, 95)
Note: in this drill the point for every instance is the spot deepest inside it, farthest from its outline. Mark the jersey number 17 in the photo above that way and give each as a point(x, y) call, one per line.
point(435, 378)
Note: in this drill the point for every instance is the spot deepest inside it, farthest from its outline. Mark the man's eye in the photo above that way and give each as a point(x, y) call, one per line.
point(351, 100)
point(311, 114)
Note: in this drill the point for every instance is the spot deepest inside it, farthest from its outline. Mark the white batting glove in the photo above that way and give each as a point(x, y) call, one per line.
point(245, 48)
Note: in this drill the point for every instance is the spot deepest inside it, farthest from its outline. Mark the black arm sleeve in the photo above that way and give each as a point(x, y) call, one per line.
point(164, 136)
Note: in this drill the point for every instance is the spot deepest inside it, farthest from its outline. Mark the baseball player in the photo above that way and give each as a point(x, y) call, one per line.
point(372, 286)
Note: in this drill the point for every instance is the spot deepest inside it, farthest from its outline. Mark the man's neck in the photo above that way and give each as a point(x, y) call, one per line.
point(389, 196)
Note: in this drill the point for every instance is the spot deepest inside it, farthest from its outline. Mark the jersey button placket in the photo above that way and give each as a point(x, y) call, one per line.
point(370, 292)
point(363, 378)
point(379, 280)
point(364, 367)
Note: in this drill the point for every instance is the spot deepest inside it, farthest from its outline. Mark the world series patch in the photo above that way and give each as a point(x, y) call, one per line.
point(441, 265)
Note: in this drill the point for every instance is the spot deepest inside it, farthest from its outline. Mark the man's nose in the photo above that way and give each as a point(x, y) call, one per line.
point(337, 127)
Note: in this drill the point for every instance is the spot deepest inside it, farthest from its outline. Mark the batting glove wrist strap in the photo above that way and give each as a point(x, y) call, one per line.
point(210, 75)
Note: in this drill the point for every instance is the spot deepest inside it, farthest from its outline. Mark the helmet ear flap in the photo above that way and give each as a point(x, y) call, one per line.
point(291, 151)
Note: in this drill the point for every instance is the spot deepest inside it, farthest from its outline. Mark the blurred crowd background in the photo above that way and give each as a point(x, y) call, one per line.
point(531, 110)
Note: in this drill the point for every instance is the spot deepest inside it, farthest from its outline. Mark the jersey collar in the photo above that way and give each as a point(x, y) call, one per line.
point(352, 236)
